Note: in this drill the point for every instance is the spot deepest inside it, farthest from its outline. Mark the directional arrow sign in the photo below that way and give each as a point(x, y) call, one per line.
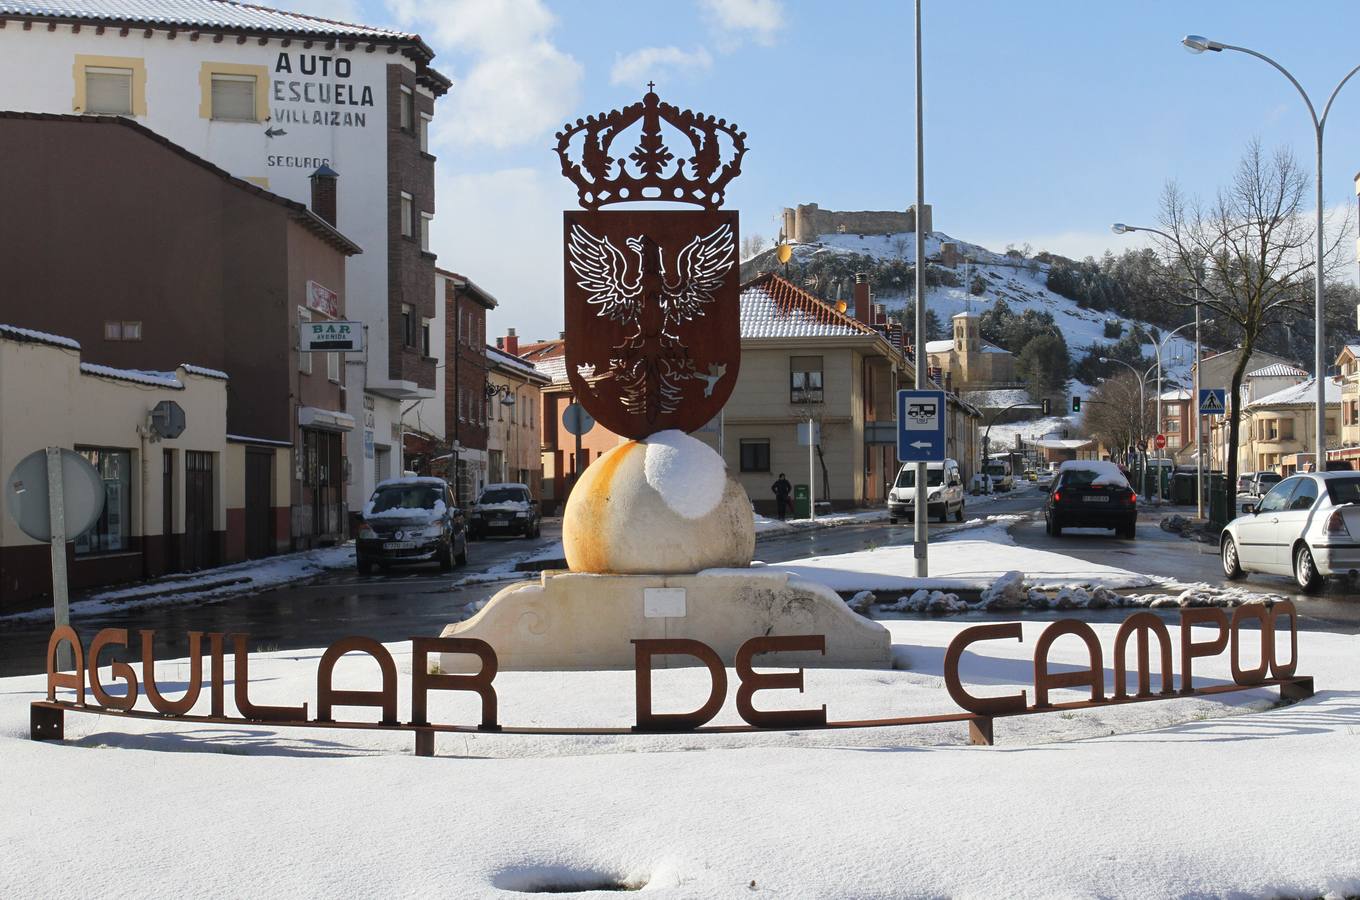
point(1212, 401)
point(920, 426)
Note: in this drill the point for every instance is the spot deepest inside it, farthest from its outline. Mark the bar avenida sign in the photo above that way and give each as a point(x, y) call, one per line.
point(1145, 630)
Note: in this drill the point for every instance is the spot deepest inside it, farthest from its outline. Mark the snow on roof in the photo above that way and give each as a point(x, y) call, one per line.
point(1277, 370)
point(1177, 394)
point(204, 371)
point(1353, 350)
point(772, 307)
point(992, 348)
point(200, 13)
point(939, 346)
point(555, 367)
point(1302, 394)
point(505, 360)
point(28, 335)
point(1063, 444)
point(138, 376)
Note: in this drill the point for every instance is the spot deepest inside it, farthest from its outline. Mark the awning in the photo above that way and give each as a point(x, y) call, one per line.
point(326, 419)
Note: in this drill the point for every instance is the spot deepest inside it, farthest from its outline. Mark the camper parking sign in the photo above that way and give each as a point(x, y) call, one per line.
point(920, 426)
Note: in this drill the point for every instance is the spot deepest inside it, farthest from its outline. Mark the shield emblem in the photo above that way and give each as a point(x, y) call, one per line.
point(652, 316)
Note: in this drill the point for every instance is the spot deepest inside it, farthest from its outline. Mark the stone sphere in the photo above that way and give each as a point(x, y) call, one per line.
point(663, 505)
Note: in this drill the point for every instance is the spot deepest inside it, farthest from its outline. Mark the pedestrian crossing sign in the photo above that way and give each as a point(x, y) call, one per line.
point(1211, 401)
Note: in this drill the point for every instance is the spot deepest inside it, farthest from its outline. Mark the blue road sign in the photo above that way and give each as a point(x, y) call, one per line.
point(1212, 401)
point(920, 426)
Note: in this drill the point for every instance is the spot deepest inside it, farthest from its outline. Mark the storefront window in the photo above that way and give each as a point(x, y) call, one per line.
point(113, 531)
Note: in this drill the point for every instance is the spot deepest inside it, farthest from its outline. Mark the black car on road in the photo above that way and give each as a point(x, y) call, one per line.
point(507, 508)
point(411, 520)
point(1091, 494)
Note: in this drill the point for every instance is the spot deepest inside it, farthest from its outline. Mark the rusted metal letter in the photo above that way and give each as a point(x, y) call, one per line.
point(104, 638)
point(644, 649)
point(219, 674)
point(249, 710)
point(1093, 677)
point(1190, 648)
point(1285, 608)
point(56, 679)
point(1142, 624)
point(190, 696)
point(752, 681)
point(423, 681)
point(1244, 612)
point(328, 697)
point(1011, 703)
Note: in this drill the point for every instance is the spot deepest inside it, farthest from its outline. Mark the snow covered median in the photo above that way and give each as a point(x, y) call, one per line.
point(331, 813)
point(970, 561)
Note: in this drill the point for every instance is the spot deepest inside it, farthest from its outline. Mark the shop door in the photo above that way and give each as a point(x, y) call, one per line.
point(259, 494)
point(198, 510)
point(324, 448)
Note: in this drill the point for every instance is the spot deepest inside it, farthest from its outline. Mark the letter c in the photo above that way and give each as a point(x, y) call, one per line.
point(987, 706)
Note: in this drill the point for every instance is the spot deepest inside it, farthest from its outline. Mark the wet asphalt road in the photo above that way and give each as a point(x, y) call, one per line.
point(423, 601)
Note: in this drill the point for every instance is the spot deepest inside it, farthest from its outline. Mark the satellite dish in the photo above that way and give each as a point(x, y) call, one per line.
point(784, 253)
point(26, 495)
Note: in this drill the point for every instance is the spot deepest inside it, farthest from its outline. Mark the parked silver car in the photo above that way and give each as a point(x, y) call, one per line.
point(1307, 526)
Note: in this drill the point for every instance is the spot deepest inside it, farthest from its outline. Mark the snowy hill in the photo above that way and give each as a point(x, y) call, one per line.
point(1021, 283)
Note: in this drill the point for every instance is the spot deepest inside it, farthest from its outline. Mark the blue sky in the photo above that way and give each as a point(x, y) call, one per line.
point(1045, 121)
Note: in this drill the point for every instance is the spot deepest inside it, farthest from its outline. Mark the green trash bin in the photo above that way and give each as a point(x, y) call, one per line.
point(1221, 501)
point(1183, 489)
point(800, 501)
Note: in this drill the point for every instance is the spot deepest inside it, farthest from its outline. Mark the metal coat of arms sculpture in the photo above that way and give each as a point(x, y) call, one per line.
point(652, 313)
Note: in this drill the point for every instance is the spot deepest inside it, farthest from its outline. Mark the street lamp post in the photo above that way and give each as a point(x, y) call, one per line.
point(920, 531)
point(1198, 44)
point(507, 395)
point(1121, 228)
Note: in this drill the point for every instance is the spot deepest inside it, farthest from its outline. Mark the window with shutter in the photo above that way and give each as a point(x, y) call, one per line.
point(108, 90)
point(233, 98)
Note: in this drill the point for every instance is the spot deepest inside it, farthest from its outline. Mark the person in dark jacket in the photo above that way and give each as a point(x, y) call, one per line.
point(782, 489)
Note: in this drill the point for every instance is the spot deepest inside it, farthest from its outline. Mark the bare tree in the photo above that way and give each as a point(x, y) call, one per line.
point(1113, 413)
point(751, 245)
point(1250, 254)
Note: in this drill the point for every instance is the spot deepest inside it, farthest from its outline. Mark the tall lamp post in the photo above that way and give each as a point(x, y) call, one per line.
point(1121, 228)
point(1197, 44)
point(920, 531)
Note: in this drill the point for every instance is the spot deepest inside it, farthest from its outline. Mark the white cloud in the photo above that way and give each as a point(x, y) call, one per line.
point(503, 229)
point(759, 20)
point(646, 64)
point(518, 85)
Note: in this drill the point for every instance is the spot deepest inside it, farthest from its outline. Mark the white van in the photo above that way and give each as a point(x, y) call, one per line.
point(999, 471)
point(944, 492)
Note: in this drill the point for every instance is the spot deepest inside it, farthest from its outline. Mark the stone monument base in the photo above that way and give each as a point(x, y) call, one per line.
point(586, 621)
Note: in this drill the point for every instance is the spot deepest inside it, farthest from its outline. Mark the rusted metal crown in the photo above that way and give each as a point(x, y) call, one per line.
point(652, 171)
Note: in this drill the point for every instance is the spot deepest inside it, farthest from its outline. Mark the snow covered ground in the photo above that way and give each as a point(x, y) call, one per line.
point(971, 560)
point(1187, 797)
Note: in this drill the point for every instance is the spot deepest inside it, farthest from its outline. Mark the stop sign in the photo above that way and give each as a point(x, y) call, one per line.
point(1160, 441)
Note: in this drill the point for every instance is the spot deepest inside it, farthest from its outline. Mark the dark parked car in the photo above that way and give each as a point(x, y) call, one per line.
point(411, 520)
point(506, 508)
point(1091, 494)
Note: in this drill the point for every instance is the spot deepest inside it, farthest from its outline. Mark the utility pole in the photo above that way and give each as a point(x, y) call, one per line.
point(921, 533)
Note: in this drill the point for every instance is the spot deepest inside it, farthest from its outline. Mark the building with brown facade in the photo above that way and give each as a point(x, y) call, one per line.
point(148, 256)
point(270, 96)
point(446, 434)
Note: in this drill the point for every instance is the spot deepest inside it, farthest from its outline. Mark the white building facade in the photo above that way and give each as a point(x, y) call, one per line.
point(271, 97)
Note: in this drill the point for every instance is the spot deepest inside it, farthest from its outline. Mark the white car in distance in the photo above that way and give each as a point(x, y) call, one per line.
point(1307, 526)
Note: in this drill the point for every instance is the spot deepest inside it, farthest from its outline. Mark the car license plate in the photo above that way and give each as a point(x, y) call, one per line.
point(399, 545)
point(1096, 498)
point(498, 521)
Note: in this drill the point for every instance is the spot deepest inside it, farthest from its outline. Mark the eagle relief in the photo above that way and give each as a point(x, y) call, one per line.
point(652, 313)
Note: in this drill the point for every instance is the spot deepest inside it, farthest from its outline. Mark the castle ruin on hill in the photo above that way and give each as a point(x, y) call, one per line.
point(807, 222)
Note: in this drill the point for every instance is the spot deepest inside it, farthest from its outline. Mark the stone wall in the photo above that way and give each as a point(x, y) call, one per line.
point(806, 222)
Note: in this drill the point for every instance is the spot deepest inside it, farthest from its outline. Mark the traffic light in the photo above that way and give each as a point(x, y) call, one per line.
point(1076, 403)
point(1044, 405)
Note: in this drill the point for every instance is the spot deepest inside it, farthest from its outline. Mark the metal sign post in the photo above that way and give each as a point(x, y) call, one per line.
point(56, 511)
point(812, 477)
point(920, 439)
point(921, 532)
